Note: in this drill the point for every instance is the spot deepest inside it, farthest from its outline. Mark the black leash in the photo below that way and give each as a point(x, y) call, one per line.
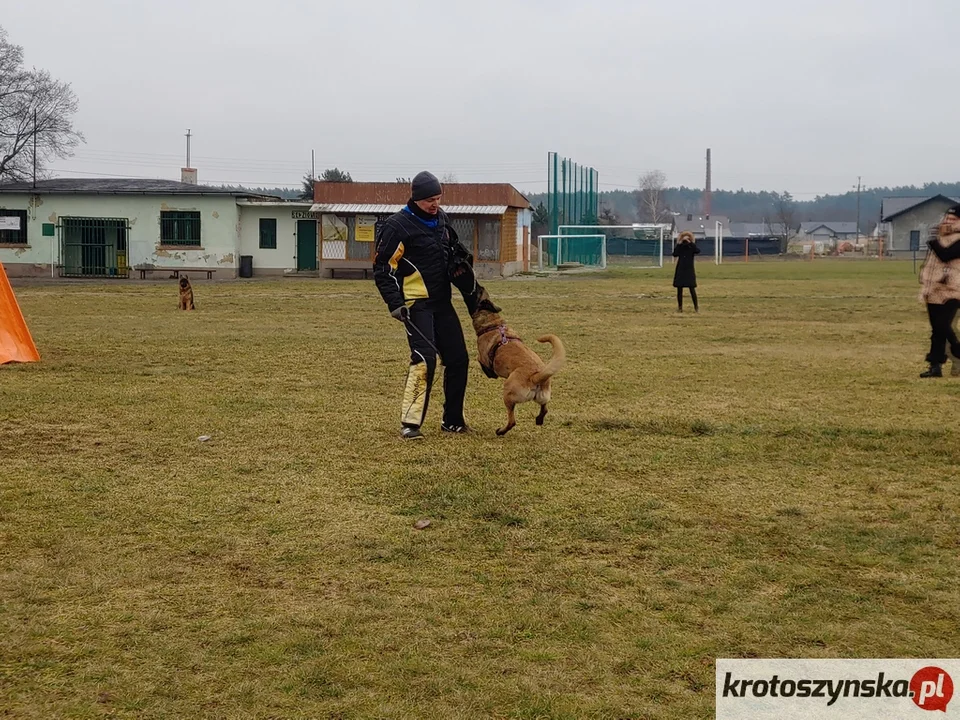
point(409, 323)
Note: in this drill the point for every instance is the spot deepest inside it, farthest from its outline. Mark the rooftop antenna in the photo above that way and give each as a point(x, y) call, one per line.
point(188, 174)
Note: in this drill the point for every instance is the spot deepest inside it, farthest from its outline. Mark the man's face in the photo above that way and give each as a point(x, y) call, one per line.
point(431, 206)
point(952, 222)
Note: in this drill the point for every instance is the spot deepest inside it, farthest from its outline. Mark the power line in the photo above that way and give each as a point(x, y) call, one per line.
point(212, 181)
point(284, 183)
point(151, 158)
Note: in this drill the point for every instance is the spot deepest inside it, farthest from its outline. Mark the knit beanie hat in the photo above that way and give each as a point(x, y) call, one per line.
point(425, 185)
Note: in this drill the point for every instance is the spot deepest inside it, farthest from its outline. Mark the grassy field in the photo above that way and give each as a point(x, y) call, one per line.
point(767, 478)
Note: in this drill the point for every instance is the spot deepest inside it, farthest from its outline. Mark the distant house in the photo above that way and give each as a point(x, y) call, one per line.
point(899, 216)
point(829, 233)
point(748, 230)
point(702, 226)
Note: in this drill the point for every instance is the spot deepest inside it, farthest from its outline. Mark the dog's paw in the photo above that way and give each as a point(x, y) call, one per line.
point(502, 431)
point(539, 421)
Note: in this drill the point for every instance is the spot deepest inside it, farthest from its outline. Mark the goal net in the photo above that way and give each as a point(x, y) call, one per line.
point(638, 245)
point(555, 251)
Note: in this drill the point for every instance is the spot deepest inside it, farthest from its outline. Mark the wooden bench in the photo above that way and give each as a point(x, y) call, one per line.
point(176, 271)
point(355, 270)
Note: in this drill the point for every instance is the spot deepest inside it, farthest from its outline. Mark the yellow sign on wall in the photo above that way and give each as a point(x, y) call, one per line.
point(366, 228)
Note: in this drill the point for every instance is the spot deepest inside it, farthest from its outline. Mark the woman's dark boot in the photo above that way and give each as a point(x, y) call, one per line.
point(936, 370)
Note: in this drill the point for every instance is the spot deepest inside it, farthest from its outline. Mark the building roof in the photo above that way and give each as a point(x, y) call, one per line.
point(705, 225)
point(744, 230)
point(894, 206)
point(388, 209)
point(118, 186)
point(838, 228)
point(259, 201)
point(475, 194)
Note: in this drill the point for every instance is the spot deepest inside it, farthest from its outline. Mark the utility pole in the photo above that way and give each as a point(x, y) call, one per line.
point(34, 148)
point(858, 210)
point(313, 165)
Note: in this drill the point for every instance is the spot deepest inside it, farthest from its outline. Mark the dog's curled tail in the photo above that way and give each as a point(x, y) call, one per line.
point(556, 361)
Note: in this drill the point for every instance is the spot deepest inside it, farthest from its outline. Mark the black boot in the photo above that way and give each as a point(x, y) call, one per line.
point(935, 371)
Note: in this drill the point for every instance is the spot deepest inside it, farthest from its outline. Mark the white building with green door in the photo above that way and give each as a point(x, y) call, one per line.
point(131, 228)
point(113, 228)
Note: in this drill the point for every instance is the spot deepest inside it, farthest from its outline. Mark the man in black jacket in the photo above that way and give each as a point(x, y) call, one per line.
point(418, 256)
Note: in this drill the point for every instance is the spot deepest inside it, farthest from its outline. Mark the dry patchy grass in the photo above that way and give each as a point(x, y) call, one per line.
point(768, 478)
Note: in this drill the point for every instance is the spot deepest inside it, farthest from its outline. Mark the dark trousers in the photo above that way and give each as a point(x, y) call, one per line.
point(941, 331)
point(693, 296)
point(438, 323)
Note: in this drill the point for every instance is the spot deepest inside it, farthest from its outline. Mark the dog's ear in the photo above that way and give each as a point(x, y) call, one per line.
point(487, 305)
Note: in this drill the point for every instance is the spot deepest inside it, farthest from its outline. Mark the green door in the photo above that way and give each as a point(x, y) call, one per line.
point(93, 247)
point(306, 245)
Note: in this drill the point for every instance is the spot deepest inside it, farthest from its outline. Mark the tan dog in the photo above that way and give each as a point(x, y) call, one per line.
point(503, 354)
point(186, 294)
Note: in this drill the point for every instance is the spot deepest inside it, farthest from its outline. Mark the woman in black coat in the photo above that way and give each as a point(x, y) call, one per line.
point(685, 276)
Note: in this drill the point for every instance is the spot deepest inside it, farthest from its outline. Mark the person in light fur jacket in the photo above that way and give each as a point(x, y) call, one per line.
point(940, 290)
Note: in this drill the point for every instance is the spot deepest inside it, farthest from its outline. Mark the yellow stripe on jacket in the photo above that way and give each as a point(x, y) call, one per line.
point(395, 260)
point(414, 288)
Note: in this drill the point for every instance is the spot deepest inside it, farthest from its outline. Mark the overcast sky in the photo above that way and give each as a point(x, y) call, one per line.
point(801, 95)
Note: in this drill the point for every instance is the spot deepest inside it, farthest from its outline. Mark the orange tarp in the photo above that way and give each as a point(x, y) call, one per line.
point(16, 345)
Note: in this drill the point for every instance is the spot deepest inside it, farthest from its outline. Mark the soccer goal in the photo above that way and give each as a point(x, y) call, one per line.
point(556, 250)
point(637, 245)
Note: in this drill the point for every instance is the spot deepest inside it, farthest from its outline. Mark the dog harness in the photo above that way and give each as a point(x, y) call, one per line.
point(504, 339)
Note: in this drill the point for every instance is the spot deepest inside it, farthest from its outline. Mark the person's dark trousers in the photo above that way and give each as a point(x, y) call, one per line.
point(941, 331)
point(439, 323)
point(693, 296)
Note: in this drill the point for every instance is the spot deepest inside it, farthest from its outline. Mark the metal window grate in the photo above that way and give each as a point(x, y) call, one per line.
point(488, 243)
point(93, 247)
point(179, 227)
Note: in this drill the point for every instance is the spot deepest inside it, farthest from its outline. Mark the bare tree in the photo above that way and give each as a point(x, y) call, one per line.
point(784, 217)
point(36, 111)
point(651, 206)
point(450, 177)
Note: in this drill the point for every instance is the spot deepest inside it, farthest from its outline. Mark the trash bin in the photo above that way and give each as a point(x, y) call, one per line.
point(246, 266)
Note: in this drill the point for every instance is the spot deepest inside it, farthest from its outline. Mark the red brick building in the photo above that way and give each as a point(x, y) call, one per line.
point(492, 219)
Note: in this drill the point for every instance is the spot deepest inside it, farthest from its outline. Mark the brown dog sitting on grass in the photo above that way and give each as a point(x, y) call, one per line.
point(503, 354)
point(186, 294)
